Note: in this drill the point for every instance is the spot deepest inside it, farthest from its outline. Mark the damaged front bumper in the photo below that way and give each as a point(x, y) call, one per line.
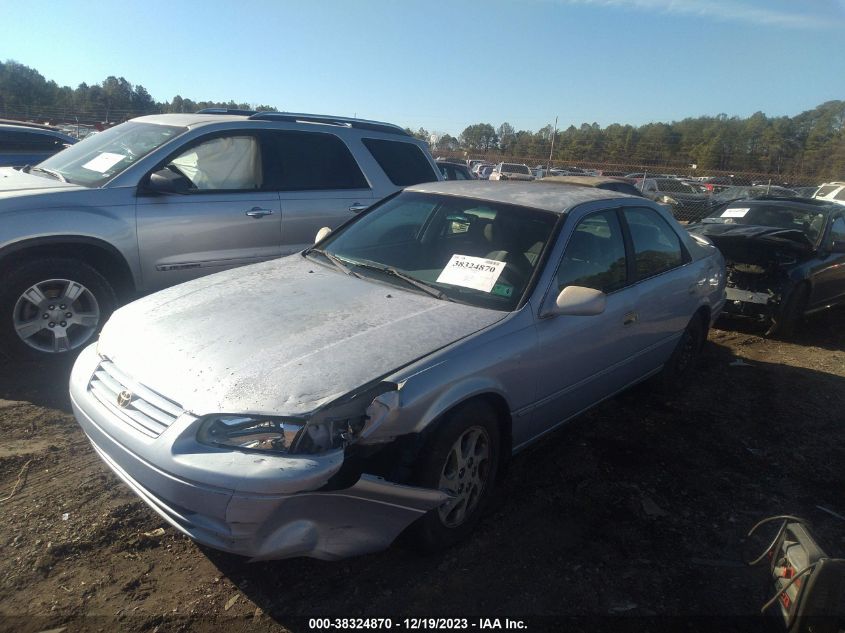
point(256, 505)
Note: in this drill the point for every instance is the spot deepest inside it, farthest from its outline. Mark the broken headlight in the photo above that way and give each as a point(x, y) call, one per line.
point(250, 432)
point(329, 434)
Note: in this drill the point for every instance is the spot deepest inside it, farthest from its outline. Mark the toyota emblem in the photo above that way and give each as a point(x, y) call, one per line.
point(124, 398)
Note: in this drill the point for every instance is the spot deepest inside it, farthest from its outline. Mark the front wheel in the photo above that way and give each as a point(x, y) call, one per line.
point(461, 459)
point(790, 315)
point(51, 307)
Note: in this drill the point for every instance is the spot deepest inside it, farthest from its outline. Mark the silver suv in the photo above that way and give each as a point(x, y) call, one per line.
point(162, 199)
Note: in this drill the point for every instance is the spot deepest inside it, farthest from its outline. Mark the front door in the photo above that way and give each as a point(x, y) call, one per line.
point(228, 217)
point(586, 358)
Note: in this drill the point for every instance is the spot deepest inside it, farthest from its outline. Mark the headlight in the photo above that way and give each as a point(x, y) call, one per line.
point(256, 433)
point(667, 200)
point(329, 434)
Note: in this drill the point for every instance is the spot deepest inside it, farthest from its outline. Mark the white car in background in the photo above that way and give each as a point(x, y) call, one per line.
point(832, 192)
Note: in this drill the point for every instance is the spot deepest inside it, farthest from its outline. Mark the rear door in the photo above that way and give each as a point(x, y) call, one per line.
point(318, 180)
point(229, 217)
point(668, 284)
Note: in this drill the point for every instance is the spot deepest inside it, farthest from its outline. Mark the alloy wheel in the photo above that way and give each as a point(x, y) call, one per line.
point(464, 475)
point(56, 315)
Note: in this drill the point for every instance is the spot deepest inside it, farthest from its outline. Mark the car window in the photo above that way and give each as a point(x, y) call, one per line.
point(404, 163)
point(513, 168)
point(595, 255)
point(825, 190)
point(223, 163)
point(460, 174)
point(805, 218)
point(657, 248)
point(840, 195)
point(674, 186)
point(29, 142)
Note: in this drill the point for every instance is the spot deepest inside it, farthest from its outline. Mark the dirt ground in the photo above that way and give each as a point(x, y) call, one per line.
point(633, 514)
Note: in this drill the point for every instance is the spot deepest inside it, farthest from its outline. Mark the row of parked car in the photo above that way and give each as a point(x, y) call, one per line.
point(380, 376)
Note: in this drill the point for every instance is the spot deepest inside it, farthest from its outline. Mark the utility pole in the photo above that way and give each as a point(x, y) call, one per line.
point(552, 150)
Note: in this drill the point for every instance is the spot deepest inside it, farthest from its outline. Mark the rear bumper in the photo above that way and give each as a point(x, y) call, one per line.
point(244, 510)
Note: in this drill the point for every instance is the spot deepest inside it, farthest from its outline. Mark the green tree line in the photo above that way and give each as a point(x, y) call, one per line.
point(808, 145)
point(26, 94)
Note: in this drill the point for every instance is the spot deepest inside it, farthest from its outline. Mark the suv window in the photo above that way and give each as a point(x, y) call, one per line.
point(840, 195)
point(657, 248)
point(302, 161)
point(824, 191)
point(595, 255)
point(227, 163)
point(404, 163)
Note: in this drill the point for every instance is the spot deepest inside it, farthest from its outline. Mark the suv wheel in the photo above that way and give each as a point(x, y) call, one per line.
point(52, 307)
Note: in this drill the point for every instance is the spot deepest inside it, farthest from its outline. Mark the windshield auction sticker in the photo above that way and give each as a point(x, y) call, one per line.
point(102, 163)
point(735, 213)
point(477, 273)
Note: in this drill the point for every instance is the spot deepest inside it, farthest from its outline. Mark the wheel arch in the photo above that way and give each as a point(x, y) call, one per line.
point(99, 254)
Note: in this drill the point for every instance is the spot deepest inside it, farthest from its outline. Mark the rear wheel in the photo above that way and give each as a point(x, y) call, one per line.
point(461, 459)
point(50, 308)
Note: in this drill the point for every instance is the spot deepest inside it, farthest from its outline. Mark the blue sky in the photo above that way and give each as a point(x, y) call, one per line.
point(446, 64)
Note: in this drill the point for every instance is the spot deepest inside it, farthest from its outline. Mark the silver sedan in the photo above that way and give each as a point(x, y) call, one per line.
point(320, 404)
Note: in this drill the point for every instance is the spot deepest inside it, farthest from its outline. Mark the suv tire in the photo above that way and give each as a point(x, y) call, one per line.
point(51, 307)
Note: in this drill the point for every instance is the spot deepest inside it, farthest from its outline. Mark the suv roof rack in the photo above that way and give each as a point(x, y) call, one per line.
point(225, 111)
point(360, 124)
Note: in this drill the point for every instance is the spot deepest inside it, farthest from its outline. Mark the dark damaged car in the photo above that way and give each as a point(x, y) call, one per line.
point(319, 404)
point(785, 258)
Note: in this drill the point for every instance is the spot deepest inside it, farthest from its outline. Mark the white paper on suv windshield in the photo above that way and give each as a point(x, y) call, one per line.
point(102, 163)
point(735, 213)
point(477, 273)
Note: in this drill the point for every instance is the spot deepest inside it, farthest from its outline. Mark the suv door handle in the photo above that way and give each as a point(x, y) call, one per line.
point(630, 317)
point(358, 207)
point(258, 212)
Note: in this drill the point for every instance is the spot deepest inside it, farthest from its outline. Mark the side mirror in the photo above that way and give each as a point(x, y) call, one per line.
point(168, 181)
point(578, 301)
point(322, 234)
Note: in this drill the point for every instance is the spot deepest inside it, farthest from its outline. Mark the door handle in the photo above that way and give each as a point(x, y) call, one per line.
point(358, 207)
point(630, 317)
point(258, 212)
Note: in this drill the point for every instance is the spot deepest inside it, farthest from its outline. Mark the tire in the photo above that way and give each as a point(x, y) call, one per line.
point(50, 308)
point(677, 371)
point(438, 463)
point(791, 314)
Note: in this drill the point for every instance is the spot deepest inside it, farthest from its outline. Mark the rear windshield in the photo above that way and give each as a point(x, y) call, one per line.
point(809, 221)
point(673, 186)
point(515, 169)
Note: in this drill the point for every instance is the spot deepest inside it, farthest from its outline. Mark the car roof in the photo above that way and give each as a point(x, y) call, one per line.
point(538, 195)
point(781, 201)
point(46, 131)
point(584, 181)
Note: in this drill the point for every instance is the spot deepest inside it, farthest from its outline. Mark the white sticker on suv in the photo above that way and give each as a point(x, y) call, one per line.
point(102, 163)
point(477, 273)
point(735, 213)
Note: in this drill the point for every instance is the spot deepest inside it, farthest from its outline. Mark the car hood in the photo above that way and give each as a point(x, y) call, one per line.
point(755, 244)
point(14, 182)
point(285, 336)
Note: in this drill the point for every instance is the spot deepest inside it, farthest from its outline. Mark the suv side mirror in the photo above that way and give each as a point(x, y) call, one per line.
point(322, 234)
point(168, 181)
point(577, 301)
